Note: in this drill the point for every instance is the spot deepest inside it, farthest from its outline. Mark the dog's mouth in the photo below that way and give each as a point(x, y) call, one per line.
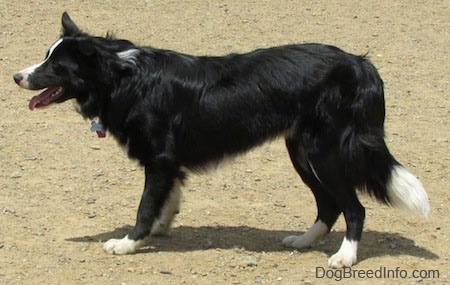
point(49, 96)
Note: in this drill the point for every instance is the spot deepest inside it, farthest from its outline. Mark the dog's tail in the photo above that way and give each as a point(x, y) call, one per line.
point(368, 161)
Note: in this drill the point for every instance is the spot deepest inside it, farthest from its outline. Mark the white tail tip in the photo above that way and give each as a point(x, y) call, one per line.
point(405, 191)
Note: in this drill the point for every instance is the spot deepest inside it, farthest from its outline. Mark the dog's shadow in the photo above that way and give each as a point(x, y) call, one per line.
point(184, 238)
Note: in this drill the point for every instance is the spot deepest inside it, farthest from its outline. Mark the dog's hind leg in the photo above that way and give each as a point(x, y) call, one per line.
point(328, 210)
point(157, 201)
point(329, 168)
point(354, 214)
point(324, 174)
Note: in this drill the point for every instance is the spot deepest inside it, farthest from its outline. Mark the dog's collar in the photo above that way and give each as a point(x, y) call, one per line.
point(98, 128)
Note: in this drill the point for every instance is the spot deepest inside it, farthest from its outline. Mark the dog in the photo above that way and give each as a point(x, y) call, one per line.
point(175, 112)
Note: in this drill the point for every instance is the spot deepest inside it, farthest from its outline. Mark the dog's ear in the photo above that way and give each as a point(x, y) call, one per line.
point(69, 29)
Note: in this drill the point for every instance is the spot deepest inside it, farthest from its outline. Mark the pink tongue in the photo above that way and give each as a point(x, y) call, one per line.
point(43, 99)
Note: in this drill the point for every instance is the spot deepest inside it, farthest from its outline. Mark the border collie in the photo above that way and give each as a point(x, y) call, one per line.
point(175, 112)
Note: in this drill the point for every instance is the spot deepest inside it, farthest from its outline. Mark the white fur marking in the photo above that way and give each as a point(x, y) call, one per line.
point(53, 47)
point(122, 246)
point(129, 55)
point(314, 171)
point(406, 191)
point(125, 147)
point(346, 255)
point(30, 70)
point(317, 230)
point(76, 106)
point(168, 212)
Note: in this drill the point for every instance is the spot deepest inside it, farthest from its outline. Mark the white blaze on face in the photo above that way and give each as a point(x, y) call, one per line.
point(30, 70)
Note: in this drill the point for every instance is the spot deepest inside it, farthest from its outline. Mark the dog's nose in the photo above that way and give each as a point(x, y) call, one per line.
point(18, 77)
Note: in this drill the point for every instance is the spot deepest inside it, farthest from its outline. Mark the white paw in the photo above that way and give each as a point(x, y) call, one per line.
point(346, 255)
point(340, 260)
point(318, 230)
point(297, 241)
point(122, 246)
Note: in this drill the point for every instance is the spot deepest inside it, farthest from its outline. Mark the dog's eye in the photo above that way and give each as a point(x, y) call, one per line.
point(59, 69)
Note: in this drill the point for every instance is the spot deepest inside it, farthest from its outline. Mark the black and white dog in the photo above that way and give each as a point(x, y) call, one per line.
point(175, 112)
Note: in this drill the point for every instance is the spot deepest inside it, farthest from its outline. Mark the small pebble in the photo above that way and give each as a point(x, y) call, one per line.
point(8, 210)
point(90, 200)
point(259, 280)
point(16, 174)
point(248, 261)
point(165, 271)
point(95, 147)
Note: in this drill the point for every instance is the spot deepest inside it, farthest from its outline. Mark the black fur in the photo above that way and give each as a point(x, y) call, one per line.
point(175, 110)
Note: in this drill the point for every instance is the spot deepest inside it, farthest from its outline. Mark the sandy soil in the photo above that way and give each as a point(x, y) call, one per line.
point(64, 191)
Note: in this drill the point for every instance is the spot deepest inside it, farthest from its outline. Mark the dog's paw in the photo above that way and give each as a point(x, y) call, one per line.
point(301, 241)
point(318, 230)
point(122, 246)
point(159, 229)
point(346, 255)
point(340, 260)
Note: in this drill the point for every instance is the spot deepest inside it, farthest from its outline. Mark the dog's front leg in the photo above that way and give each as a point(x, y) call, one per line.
point(159, 204)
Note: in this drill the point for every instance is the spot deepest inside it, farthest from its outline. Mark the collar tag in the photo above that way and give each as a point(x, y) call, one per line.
point(98, 128)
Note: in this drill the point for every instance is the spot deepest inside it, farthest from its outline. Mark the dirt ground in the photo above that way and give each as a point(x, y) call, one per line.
point(64, 191)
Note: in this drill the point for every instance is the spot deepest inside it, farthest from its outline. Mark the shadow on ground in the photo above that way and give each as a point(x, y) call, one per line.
point(184, 238)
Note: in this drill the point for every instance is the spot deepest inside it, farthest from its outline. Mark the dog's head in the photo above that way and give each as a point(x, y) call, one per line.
point(78, 66)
